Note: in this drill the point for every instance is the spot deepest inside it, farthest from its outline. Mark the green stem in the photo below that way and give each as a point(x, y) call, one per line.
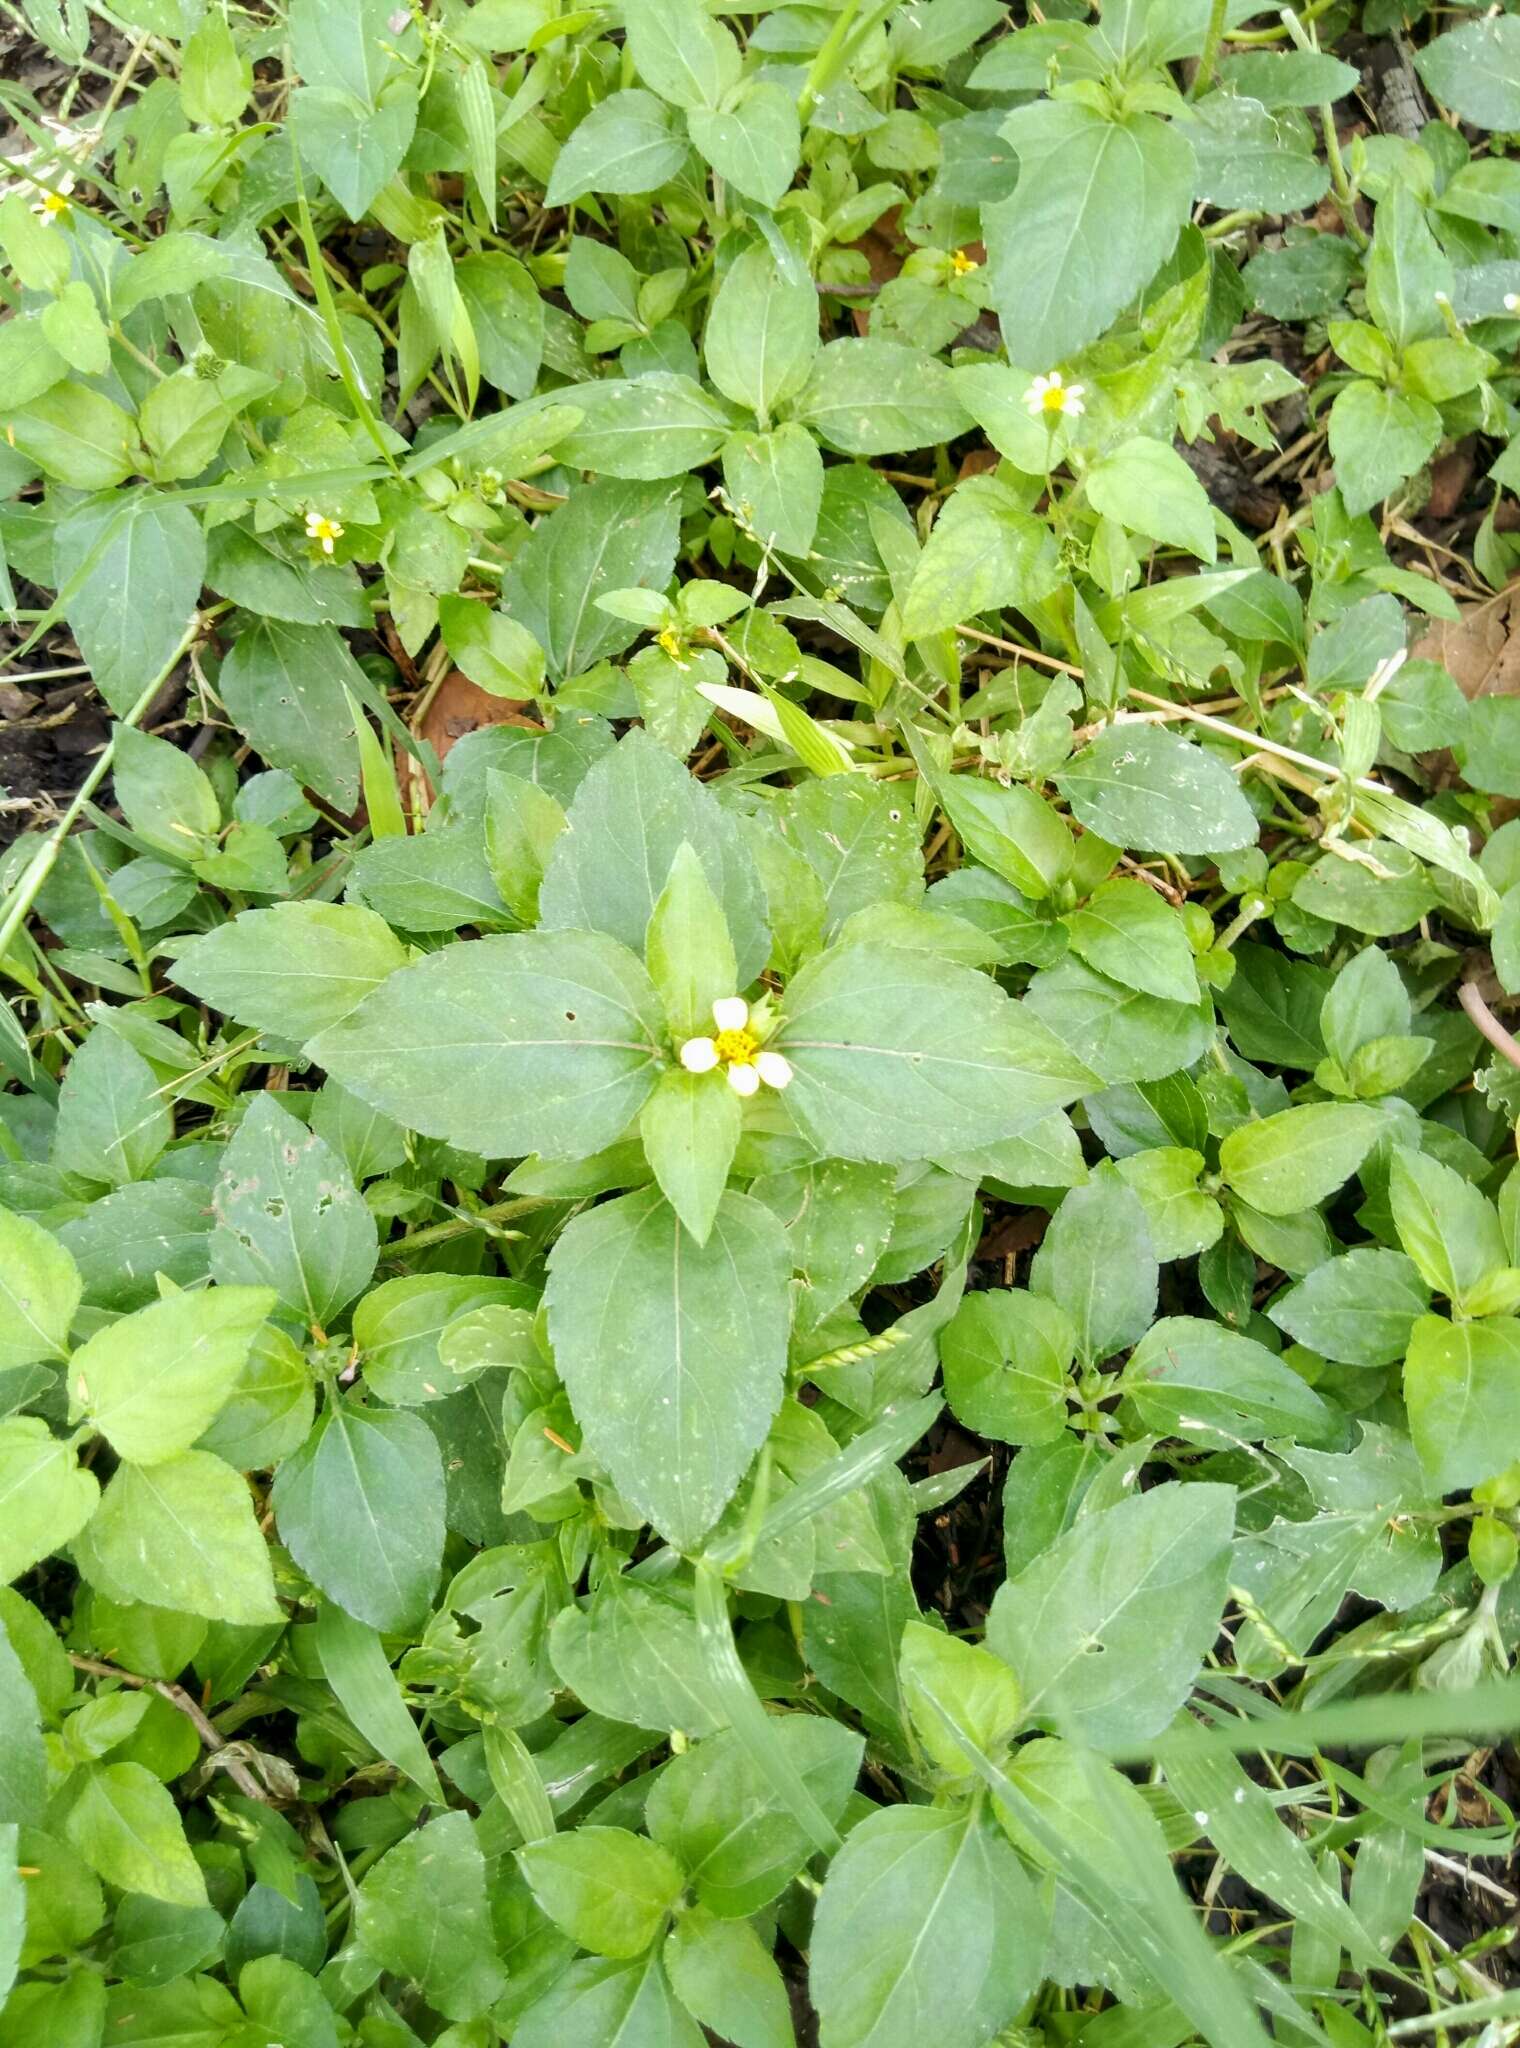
point(458, 1226)
point(823, 67)
point(1211, 40)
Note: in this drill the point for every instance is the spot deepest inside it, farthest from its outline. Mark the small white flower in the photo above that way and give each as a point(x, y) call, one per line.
point(738, 1048)
point(1511, 302)
point(1052, 395)
point(323, 530)
point(774, 1069)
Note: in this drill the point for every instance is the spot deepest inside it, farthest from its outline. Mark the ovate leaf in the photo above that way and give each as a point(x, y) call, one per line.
point(1137, 785)
point(1109, 1628)
point(154, 1380)
point(293, 969)
point(1098, 206)
point(913, 1882)
point(45, 1496)
point(125, 1826)
point(361, 1508)
point(289, 1218)
point(423, 1913)
point(541, 1042)
point(40, 1286)
point(672, 1352)
point(181, 1535)
point(886, 1044)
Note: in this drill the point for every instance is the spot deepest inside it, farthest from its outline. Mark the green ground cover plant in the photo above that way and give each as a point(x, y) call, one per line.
point(820, 1343)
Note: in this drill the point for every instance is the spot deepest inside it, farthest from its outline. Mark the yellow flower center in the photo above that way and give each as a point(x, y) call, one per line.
point(1054, 398)
point(670, 641)
point(962, 264)
point(736, 1048)
point(54, 202)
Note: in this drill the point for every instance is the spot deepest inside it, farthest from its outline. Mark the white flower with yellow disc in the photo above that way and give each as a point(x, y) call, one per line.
point(1053, 396)
point(738, 1048)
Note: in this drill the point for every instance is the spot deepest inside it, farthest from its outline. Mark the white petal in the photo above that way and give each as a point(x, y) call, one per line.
point(774, 1069)
point(1074, 406)
point(731, 1013)
point(699, 1055)
point(743, 1079)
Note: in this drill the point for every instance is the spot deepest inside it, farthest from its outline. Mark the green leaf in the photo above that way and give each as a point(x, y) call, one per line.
point(12, 1908)
point(181, 1534)
point(147, 561)
point(361, 1509)
point(690, 1130)
point(946, 1679)
point(718, 1813)
point(1475, 71)
point(858, 839)
point(354, 146)
point(1195, 1379)
point(1249, 157)
point(289, 689)
point(45, 1497)
point(1097, 1266)
point(23, 1760)
point(1462, 1390)
point(1148, 488)
point(1243, 1824)
point(289, 1218)
point(1291, 1161)
point(986, 551)
point(1140, 786)
point(776, 483)
point(672, 1353)
point(40, 1287)
point(1378, 439)
point(291, 970)
point(632, 1655)
point(542, 1042)
point(124, 1824)
point(606, 2000)
point(627, 823)
point(112, 1120)
point(723, 1975)
point(646, 427)
point(912, 1881)
point(754, 143)
point(154, 1381)
point(762, 332)
point(609, 1889)
point(1447, 1226)
point(1358, 1309)
point(867, 397)
point(687, 948)
point(77, 437)
point(1098, 207)
point(629, 142)
point(1127, 932)
point(1108, 1629)
point(356, 1667)
point(506, 316)
point(423, 1914)
point(1005, 1357)
point(612, 535)
point(886, 1044)
point(690, 59)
